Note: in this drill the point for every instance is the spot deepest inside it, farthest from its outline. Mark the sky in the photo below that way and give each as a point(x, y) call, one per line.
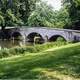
point(55, 3)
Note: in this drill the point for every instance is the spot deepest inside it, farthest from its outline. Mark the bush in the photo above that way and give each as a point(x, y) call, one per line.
point(29, 49)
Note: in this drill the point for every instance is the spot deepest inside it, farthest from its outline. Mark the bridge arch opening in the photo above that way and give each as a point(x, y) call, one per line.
point(57, 38)
point(35, 37)
point(16, 36)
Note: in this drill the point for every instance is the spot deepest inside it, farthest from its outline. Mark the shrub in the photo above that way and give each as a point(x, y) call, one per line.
point(30, 49)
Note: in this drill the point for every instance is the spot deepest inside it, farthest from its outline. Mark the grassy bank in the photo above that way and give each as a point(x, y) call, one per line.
point(29, 49)
point(57, 64)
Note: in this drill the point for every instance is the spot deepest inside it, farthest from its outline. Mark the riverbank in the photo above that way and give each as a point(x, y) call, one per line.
point(57, 64)
point(30, 49)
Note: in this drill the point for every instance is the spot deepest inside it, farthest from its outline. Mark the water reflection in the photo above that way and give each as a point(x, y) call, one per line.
point(13, 43)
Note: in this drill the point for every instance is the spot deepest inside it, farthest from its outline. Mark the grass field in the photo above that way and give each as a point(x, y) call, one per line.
point(59, 63)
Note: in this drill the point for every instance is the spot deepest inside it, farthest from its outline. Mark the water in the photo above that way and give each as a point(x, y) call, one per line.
point(10, 43)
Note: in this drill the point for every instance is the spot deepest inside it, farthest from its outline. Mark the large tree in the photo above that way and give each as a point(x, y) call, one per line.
point(15, 12)
point(45, 15)
point(73, 7)
point(41, 16)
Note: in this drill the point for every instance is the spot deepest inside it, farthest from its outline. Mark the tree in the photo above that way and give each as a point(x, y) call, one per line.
point(26, 7)
point(74, 12)
point(16, 12)
point(61, 18)
point(46, 16)
point(41, 16)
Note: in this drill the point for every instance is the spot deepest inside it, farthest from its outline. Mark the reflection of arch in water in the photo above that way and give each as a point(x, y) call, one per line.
point(56, 37)
point(34, 35)
point(17, 36)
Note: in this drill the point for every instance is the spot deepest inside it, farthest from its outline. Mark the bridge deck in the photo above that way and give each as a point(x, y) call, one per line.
point(26, 27)
point(51, 29)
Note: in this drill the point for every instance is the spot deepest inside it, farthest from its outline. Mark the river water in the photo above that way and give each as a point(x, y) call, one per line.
point(13, 43)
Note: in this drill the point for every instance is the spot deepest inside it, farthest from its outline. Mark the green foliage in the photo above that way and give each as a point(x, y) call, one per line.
point(15, 12)
point(46, 16)
point(73, 7)
point(12, 19)
point(38, 13)
point(57, 64)
point(60, 39)
point(1, 20)
point(41, 16)
point(31, 13)
point(62, 18)
point(29, 49)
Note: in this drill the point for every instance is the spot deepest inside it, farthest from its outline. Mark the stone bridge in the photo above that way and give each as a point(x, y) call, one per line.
point(50, 34)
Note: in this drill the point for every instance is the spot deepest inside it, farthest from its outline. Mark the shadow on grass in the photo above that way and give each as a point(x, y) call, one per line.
point(66, 61)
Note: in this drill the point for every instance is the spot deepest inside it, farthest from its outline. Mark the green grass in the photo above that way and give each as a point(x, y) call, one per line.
point(29, 49)
point(60, 63)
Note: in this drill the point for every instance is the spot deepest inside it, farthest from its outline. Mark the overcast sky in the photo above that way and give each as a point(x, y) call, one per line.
point(55, 3)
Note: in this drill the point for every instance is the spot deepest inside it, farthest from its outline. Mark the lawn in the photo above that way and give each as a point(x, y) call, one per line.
point(59, 63)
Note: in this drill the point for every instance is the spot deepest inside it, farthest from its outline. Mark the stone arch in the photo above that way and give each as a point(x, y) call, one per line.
point(16, 35)
point(55, 37)
point(32, 35)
